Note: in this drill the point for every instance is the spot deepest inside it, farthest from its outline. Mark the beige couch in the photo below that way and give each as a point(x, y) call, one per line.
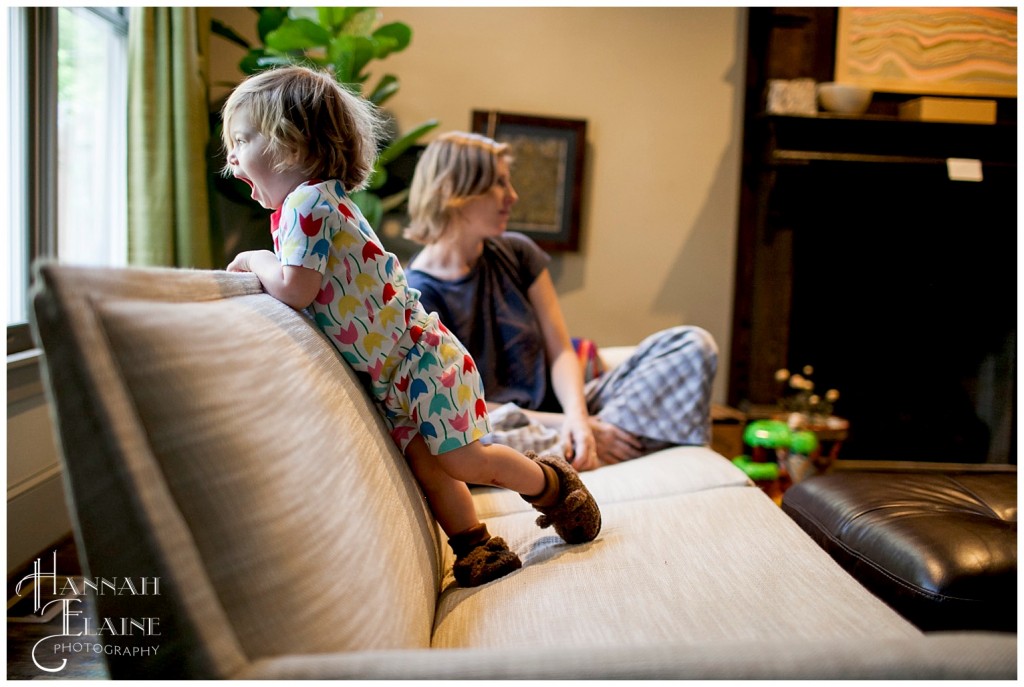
point(213, 439)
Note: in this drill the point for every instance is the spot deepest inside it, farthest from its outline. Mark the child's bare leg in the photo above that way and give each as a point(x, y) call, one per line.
point(479, 557)
point(497, 465)
point(449, 499)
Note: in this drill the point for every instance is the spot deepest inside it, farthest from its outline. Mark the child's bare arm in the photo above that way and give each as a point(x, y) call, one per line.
point(293, 286)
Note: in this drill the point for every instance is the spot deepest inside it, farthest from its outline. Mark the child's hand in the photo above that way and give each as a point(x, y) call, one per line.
point(292, 285)
point(241, 262)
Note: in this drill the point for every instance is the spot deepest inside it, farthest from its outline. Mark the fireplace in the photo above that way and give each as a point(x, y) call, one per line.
point(857, 254)
point(904, 299)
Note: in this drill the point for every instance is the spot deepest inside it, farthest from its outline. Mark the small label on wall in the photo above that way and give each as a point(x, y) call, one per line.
point(963, 169)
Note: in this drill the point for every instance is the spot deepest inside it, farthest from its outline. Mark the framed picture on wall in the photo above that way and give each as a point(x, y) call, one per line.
point(961, 51)
point(547, 172)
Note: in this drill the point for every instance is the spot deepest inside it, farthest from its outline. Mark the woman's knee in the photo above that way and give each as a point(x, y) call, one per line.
point(699, 342)
point(706, 343)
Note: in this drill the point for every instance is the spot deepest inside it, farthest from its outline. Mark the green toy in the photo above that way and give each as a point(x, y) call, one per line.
point(766, 439)
point(767, 434)
point(804, 443)
point(759, 472)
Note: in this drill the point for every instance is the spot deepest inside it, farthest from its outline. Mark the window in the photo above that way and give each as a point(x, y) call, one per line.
point(67, 138)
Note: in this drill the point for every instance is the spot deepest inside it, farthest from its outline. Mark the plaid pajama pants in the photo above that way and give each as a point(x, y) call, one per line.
point(662, 393)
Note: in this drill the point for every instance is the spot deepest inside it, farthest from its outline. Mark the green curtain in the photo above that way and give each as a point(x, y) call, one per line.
point(168, 131)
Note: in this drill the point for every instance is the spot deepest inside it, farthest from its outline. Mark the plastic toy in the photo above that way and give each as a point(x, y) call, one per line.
point(805, 443)
point(769, 442)
point(805, 459)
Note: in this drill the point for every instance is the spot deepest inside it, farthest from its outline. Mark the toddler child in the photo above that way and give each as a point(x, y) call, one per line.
point(303, 143)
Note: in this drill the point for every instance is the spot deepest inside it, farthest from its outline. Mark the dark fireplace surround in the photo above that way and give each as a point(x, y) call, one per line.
point(858, 255)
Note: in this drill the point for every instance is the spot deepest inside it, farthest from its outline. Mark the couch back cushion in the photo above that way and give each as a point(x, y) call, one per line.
point(305, 519)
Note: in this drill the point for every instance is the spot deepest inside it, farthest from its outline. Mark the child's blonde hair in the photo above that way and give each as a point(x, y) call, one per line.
point(311, 122)
point(453, 169)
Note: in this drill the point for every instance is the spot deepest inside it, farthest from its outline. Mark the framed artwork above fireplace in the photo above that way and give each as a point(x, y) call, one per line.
point(961, 51)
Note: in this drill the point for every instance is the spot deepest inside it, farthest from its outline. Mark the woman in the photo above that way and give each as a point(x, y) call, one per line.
point(494, 291)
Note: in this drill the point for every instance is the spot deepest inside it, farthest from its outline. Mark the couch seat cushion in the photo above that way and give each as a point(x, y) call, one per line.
point(718, 565)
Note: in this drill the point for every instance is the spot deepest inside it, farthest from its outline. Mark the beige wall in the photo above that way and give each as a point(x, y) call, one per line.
point(661, 90)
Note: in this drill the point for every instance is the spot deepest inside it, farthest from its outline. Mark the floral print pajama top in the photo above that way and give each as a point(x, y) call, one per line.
point(421, 376)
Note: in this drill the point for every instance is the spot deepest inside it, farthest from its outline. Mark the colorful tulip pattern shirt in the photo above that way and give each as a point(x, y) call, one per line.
point(421, 375)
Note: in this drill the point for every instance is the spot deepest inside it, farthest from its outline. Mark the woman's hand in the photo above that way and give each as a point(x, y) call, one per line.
point(614, 445)
point(578, 440)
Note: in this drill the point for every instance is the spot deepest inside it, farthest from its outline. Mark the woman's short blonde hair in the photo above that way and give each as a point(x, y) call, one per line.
point(311, 121)
point(454, 168)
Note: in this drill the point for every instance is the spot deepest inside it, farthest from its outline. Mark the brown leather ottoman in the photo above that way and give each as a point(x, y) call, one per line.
point(940, 548)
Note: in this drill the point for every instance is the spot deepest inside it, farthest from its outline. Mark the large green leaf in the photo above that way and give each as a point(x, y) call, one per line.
point(393, 37)
point(349, 54)
point(333, 17)
point(386, 87)
point(359, 21)
point(270, 18)
point(339, 52)
point(365, 52)
point(297, 34)
point(382, 47)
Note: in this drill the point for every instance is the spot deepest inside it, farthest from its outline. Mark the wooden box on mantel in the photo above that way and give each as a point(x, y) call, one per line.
point(962, 110)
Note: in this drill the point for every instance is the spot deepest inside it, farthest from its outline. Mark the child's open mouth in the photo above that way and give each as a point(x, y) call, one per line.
point(252, 186)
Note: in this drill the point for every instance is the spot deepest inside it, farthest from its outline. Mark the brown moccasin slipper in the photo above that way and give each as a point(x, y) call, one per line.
point(480, 558)
point(571, 509)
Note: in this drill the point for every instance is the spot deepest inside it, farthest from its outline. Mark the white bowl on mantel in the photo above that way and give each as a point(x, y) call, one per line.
point(844, 98)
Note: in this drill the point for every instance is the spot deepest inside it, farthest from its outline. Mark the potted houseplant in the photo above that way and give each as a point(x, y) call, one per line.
point(344, 40)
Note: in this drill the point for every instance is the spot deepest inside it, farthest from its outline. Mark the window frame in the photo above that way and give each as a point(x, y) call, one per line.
point(38, 97)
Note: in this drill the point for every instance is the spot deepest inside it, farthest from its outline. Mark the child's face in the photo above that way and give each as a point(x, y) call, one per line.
point(252, 162)
point(488, 213)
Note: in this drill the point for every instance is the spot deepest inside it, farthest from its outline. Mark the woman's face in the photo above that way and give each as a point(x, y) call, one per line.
point(488, 213)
